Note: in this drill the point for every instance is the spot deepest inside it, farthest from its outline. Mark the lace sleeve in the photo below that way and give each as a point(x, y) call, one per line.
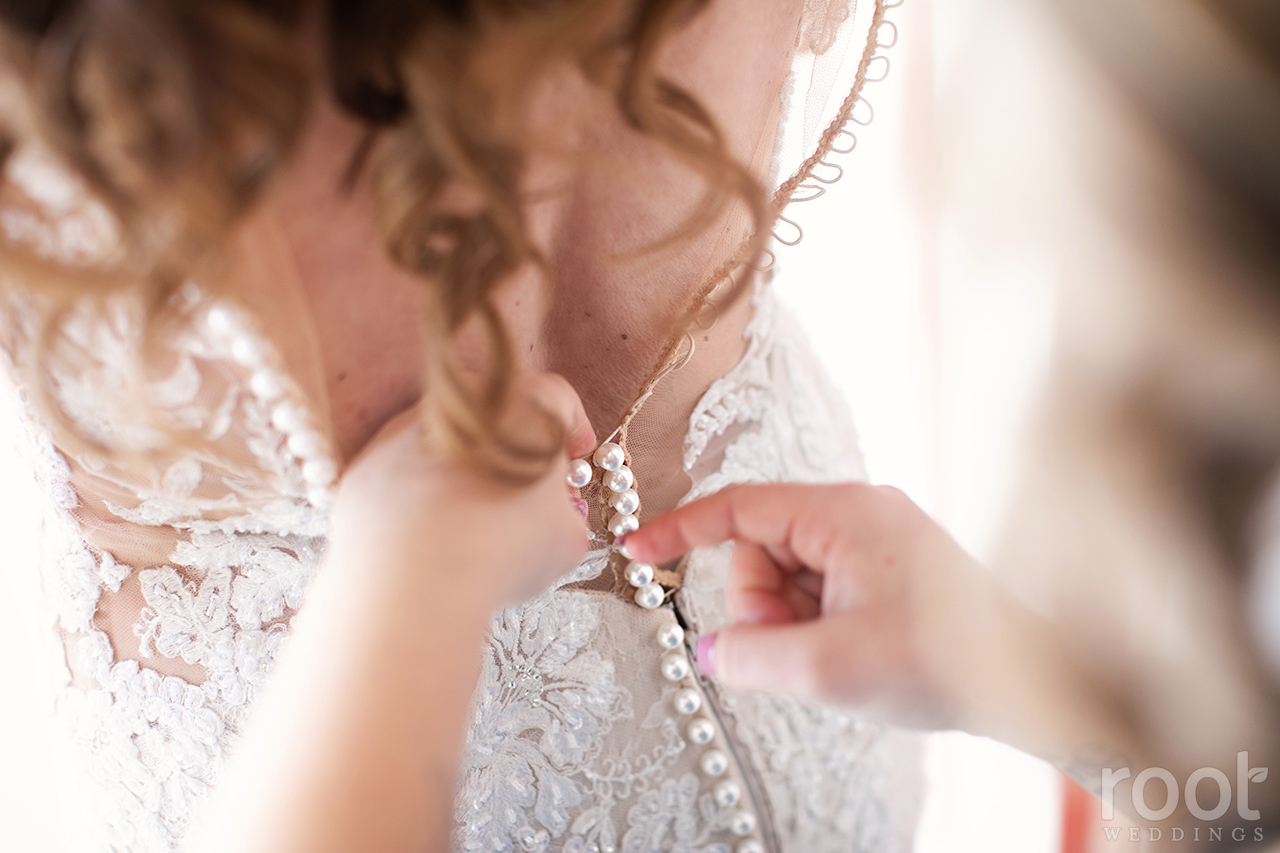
point(171, 568)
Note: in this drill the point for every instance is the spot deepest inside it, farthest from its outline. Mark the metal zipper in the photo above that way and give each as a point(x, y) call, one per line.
point(763, 809)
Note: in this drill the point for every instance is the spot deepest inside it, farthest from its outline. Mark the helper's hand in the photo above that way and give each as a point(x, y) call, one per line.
point(506, 543)
point(836, 593)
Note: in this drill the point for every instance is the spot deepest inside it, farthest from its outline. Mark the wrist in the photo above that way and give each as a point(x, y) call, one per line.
point(433, 569)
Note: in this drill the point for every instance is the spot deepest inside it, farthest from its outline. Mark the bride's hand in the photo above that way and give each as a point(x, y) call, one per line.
point(840, 593)
point(502, 542)
point(355, 744)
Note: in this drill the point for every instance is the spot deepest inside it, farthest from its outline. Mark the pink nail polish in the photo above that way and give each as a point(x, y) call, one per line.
point(621, 544)
point(581, 506)
point(705, 654)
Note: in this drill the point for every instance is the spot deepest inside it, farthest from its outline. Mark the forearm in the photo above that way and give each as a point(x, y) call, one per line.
point(355, 744)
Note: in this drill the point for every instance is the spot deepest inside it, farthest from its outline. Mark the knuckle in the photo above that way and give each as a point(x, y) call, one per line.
point(894, 508)
point(852, 496)
point(818, 669)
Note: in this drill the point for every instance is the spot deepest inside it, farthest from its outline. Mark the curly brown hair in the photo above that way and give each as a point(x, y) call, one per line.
point(177, 113)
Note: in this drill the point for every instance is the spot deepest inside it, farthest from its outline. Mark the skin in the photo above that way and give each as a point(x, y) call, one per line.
point(356, 742)
point(851, 594)
point(603, 315)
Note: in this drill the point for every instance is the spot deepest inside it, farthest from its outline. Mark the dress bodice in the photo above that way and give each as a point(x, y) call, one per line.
point(576, 741)
point(174, 572)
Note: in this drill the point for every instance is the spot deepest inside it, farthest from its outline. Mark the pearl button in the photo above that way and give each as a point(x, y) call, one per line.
point(305, 443)
point(620, 480)
point(288, 418)
point(319, 472)
point(650, 595)
point(623, 523)
point(248, 351)
point(579, 473)
point(267, 386)
point(728, 793)
point(220, 320)
point(675, 666)
point(639, 574)
point(688, 700)
point(627, 502)
point(670, 635)
point(743, 823)
point(750, 845)
point(714, 762)
point(610, 456)
point(701, 730)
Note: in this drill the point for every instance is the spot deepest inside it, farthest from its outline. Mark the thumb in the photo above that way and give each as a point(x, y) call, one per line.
point(554, 393)
point(819, 660)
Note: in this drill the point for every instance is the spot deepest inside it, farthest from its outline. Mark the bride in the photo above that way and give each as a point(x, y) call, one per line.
point(327, 301)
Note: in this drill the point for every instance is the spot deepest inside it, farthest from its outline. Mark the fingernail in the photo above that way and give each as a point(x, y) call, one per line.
point(581, 506)
point(621, 544)
point(705, 654)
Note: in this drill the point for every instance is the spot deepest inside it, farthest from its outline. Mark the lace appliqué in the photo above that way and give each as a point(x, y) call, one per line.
point(558, 758)
point(823, 20)
point(574, 745)
point(823, 771)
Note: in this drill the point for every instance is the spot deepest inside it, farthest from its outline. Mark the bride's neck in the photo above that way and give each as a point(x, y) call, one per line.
point(605, 313)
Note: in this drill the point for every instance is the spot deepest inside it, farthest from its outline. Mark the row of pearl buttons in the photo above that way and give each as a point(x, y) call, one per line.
point(702, 731)
point(675, 667)
point(620, 481)
point(270, 384)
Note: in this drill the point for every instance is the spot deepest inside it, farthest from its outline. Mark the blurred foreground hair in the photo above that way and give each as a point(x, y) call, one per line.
point(177, 113)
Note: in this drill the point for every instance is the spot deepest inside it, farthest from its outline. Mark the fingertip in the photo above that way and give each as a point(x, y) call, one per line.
point(638, 545)
point(556, 391)
point(581, 437)
point(660, 538)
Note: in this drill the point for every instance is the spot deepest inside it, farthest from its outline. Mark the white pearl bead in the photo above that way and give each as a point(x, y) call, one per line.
point(743, 823)
point(267, 385)
point(688, 700)
point(319, 497)
point(610, 456)
point(288, 418)
point(623, 523)
point(714, 762)
point(728, 793)
point(750, 845)
point(626, 502)
point(220, 320)
point(650, 595)
point(579, 473)
point(639, 574)
point(305, 443)
point(675, 666)
point(670, 635)
point(620, 480)
point(701, 730)
point(248, 351)
point(319, 472)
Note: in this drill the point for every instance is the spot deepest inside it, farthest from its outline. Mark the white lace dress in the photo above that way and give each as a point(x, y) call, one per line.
point(576, 741)
point(194, 562)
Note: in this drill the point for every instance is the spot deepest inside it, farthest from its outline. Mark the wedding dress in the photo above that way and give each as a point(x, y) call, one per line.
point(580, 739)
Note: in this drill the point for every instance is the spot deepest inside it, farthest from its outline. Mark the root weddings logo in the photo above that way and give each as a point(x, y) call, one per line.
point(1196, 791)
